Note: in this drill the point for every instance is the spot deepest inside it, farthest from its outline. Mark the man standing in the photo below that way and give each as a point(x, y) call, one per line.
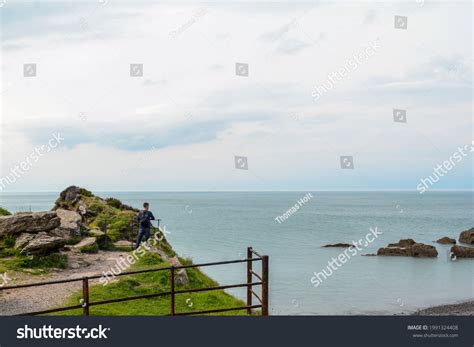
point(144, 224)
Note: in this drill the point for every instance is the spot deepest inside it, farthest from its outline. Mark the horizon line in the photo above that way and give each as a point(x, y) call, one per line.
point(247, 191)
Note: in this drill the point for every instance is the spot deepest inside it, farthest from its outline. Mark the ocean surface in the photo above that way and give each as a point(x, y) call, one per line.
point(221, 225)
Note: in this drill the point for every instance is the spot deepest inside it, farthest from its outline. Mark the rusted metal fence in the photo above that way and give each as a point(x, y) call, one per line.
point(252, 257)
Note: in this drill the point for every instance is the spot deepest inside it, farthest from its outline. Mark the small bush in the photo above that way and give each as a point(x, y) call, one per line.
point(130, 208)
point(4, 212)
point(85, 192)
point(96, 207)
point(114, 202)
point(7, 252)
point(8, 241)
point(90, 249)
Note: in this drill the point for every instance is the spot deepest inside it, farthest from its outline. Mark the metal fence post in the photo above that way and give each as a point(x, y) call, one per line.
point(172, 291)
point(265, 285)
point(249, 279)
point(85, 296)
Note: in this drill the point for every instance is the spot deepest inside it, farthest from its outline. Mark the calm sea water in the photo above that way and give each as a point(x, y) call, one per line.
point(219, 226)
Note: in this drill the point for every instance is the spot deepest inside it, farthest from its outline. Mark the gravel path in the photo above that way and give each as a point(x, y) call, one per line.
point(39, 298)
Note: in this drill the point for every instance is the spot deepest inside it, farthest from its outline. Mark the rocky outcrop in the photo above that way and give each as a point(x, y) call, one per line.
point(29, 223)
point(408, 248)
point(446, 241)
point(68, 197)
point(462, 252)
point(341, 245)
point(181, 277)
point(38, 244)
point(467, 236)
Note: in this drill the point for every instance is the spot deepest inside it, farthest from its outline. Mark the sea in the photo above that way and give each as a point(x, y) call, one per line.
point(292, 227)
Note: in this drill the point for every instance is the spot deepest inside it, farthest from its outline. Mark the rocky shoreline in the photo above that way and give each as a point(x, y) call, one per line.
point(458, 309)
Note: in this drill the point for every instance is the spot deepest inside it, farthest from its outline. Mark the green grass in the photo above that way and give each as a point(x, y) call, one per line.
point(39, 264)
point(155, 282)
point(4, 212)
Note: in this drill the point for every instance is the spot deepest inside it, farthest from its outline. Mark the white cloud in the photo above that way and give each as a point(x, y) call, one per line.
point(198, 114)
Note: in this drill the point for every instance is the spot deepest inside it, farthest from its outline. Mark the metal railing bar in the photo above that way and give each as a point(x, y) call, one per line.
point(256, 253)
point(217, 310)
point(256, 275)
point(249, 285)
point(256, 295)
point(146, 296)
point(217, 263)
point(217, 288)
point(127, 273)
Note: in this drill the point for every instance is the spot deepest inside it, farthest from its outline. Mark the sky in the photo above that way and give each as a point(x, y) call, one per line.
point(320, 81)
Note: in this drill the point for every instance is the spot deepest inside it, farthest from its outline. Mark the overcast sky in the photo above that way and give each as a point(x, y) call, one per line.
point(180, 125)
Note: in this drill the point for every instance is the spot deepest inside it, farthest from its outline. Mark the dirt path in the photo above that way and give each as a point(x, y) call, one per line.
point(39, 298)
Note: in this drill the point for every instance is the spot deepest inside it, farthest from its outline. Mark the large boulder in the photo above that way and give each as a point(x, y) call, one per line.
point(70, 224)
point(38, 244)
point(467, 236)
point(29, 223)
point(446, 241)
point(408, 248)
point(462, 252)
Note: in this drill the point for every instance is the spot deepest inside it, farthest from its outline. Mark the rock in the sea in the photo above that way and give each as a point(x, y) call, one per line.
point(38, 244)
point(420, 250)
point(408, 248)
point(29, 223)
point(462, 252)
point(402, 243)
point(446, 241)
point(342, 245)
point(393, 251)
point(467, 236)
